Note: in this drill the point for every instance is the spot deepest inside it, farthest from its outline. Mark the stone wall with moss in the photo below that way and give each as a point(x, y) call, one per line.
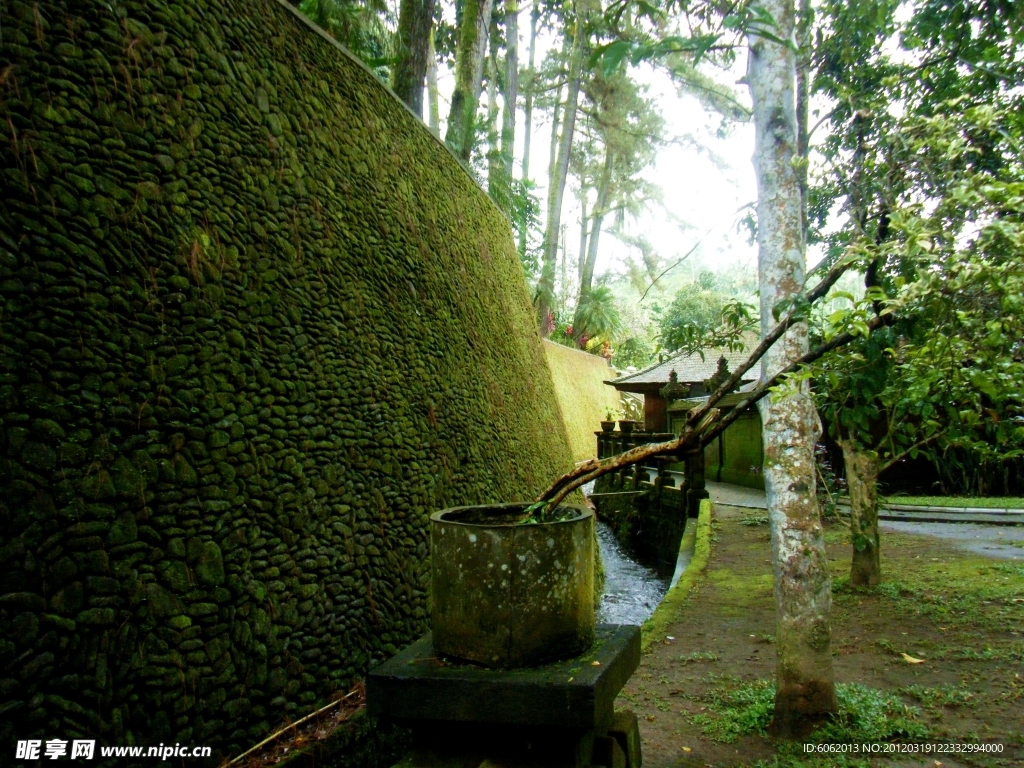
point(582, 394)
point(256, 325)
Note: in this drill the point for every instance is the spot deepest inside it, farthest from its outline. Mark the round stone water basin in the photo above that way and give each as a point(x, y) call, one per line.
point(507, 595)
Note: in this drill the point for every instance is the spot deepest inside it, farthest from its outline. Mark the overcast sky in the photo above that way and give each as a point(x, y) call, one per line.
point(698, 194)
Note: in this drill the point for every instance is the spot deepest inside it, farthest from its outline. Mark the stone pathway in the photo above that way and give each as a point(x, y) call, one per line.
point(736, 495)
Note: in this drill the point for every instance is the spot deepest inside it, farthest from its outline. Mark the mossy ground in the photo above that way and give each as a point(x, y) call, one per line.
point(701, 695)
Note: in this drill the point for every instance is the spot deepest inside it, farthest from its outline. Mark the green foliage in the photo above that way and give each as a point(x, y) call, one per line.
point(865, 715)
point(931, 195)
point(947, 367)
point(524, 213)
point(634, 351)
point(598, 313)
point(694, 310)
point(702, 316)
point(365, 27)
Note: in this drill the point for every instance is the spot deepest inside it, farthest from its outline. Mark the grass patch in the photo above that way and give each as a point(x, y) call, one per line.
point(744, 709)
point(1013, 570)
point(865, 714)
point(697, 657)
point(755, 520)
point(940, 696)
point(836, 534)
point(973, 593)
point(986, 502)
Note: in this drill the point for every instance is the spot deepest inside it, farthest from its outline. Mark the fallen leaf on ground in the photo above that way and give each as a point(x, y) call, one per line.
point(910, 659)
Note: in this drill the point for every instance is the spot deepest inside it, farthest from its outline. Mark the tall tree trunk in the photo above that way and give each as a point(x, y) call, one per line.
point(862, 469)
point(597, 219)
point(805, 679)
point(415, 21)
point(556, 124)
point(495, 185)
point(604, 187)
point(511, 91)
point(803, 71)
point(528, 106)
point(565, 258)
point(528, 111)
point(469, 72)
point(546, 286)
point(584, 233)
point(561, 170)
point(433, 106)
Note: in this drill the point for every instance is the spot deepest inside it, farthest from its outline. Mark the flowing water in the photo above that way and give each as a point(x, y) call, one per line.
point(631, 591)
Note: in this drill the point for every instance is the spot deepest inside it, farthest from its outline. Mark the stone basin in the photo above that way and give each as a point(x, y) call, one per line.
point(507, 595)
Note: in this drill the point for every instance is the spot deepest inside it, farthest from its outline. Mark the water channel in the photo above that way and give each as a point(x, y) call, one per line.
point(631, 591)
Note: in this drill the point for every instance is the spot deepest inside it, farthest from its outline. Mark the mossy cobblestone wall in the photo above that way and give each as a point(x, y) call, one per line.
point(256, 325)
point(582, 394)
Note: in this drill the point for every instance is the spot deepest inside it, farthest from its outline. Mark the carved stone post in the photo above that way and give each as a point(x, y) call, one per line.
point(695, 489)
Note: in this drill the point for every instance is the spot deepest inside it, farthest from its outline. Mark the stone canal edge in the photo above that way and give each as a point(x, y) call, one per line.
point(694, 552)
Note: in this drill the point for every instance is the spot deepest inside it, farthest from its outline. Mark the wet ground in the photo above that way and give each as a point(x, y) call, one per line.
point(1005, 542)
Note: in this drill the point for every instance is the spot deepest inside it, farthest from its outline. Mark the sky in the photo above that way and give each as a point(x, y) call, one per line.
point(700, 198)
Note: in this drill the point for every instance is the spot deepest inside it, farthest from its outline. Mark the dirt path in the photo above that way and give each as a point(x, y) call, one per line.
point(962, 614)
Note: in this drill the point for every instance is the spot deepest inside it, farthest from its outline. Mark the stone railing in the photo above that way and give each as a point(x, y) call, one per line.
point(612, 443)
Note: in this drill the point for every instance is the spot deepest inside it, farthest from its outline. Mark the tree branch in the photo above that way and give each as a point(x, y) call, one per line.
point(763, 388)
point(703, 417)
point(900, 457)
point(774, 335)
point(593, 469)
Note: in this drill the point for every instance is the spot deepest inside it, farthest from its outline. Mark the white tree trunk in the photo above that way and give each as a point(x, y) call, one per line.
point(469, 73)
point(433, 108)
point(560, 173)
point(511, 94)
point(805, 683)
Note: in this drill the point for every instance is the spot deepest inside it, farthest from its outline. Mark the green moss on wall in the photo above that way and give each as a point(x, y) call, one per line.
point(257, 324)
point(737, 456)
point(582, 395)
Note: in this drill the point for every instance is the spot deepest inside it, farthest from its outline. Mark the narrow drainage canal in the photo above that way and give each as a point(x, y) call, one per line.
point(631, 590)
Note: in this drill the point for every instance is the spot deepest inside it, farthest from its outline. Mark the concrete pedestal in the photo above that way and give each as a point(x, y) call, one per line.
point(559, 715)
